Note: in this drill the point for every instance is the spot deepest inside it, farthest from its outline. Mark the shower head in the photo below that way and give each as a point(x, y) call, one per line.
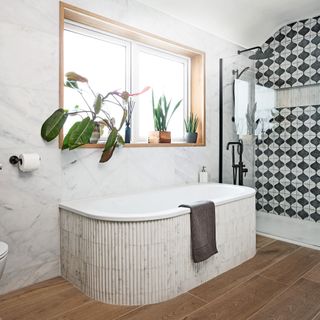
point(238, 74)
point(259, 54)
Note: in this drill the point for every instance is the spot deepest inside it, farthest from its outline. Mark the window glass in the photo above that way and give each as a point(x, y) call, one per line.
point(112, 63)
point(102, 62)
point(166, 76)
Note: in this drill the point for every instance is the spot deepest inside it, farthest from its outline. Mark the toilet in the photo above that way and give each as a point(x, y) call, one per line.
point(3, 256)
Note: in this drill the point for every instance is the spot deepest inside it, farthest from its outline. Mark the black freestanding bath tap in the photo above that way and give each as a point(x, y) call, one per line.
point(239, 169)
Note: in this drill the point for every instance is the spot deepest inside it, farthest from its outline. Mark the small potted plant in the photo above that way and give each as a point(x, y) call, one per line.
point(161, 120)
point(191, 124)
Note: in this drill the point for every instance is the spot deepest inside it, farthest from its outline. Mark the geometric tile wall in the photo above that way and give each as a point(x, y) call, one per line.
point(296, 60)
point(287, 173)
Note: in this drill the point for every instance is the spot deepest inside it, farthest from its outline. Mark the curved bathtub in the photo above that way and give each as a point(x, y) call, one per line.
point(136, 249)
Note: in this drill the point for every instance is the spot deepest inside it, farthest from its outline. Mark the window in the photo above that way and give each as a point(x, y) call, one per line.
point(167, 74)
point(101, 59)
point(114, 59)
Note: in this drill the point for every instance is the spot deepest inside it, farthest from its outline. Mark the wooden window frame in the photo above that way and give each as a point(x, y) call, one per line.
point(197, 69)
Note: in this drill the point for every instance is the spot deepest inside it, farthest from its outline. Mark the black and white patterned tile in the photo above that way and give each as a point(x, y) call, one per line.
point(296, 60)
point(288, 164)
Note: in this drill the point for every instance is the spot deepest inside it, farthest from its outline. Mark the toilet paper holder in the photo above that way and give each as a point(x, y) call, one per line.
point(26, 162)
point(15, 160)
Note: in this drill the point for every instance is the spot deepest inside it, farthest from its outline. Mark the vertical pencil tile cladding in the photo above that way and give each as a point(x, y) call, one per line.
point(288, 164)
point(134, 263)
point(296, 60)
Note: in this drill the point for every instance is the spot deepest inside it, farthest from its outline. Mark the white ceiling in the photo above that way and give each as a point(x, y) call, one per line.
point(245, 22)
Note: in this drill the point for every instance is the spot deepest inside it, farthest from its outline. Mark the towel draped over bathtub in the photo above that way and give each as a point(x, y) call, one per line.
point(203, 229)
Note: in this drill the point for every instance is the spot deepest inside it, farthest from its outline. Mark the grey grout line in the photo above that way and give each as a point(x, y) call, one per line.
point(282, 258)
point(128, 313)
point(69, 310)
point(271, 300)
point(301, 275)
point(310, 271)
point(197, 297)
point(304, 273)
point(317, 316)
point(273, 240)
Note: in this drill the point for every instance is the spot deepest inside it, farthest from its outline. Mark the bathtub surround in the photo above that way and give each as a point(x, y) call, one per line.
point(139, 251)
point(3, 256)
point(295, 63)
point(29, 94)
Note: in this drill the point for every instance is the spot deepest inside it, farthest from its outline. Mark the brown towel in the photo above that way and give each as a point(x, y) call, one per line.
point(203, 230)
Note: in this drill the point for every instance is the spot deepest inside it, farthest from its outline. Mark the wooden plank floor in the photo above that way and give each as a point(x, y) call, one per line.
point(282, 282)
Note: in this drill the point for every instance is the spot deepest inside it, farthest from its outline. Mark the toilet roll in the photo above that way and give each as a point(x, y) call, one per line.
point(29, 162)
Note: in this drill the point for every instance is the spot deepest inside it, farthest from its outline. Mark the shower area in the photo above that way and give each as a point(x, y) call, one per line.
point(270, 107)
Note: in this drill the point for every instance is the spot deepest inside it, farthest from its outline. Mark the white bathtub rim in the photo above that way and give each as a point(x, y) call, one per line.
point(163, 214)
point(132, 217)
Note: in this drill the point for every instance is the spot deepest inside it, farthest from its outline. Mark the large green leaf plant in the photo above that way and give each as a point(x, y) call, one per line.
point(81, 131)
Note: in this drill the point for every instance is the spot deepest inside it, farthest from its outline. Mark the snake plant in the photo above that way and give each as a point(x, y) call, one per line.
point(191, 123)
point(161, 114)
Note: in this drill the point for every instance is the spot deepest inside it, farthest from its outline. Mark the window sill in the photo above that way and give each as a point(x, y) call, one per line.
point(151, 145)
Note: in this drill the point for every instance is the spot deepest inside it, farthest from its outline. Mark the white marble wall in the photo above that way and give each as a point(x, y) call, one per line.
point(29, 64)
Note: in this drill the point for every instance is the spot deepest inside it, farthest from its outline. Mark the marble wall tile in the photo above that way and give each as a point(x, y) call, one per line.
point(23, 111)
point(33, 54)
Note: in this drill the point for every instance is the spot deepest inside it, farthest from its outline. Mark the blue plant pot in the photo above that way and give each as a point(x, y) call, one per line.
point(191, 137)
point(127, 136)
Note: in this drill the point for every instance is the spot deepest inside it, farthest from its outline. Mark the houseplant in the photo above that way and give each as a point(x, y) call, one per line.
point(161, 119)
point(91, 119)
point(191, 124)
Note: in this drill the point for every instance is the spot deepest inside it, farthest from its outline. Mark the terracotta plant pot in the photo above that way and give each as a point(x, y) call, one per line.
point(191, 137)
point(159, 137)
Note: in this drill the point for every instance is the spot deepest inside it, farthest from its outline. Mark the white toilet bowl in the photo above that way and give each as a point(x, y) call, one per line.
point(3, 256)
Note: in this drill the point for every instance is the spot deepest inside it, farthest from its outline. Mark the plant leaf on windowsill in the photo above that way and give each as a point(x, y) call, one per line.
point(52, 126)
point(81, 134)
point(109, 146)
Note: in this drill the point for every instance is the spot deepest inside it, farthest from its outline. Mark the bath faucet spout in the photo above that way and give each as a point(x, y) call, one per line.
point(239, 169)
